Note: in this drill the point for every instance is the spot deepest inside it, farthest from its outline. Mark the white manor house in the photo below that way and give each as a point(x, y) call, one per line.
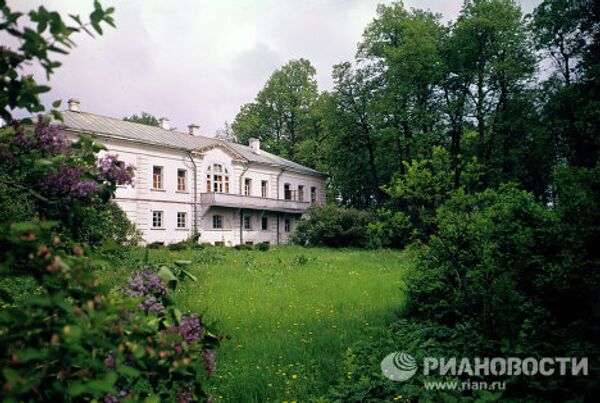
point(188, 184)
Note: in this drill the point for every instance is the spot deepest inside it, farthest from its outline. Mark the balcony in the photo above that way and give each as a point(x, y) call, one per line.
point(252, 202)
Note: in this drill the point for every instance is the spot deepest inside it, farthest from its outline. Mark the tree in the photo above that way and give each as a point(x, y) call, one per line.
point(557, 26)
point(143, 118)
point(355, 139)
point(404, 45)
point(280, 114)
point(43, 36)
point(226, 133)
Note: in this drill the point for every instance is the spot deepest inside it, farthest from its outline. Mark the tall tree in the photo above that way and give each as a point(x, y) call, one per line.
point(404, 46)
point(281, 112)
point(356, 137)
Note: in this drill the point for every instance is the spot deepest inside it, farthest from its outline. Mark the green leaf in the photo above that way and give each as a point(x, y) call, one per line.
point(166, 275)
point(56, 103)
point(126, 370)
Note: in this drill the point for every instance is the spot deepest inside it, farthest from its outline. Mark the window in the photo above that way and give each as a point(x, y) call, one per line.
point(157, 177)
point(301, 192)
point(181, 220)
point(157, 219)
point(263, 188)
point(265, 223)
point(217, 222)
point(181, 180)
point(217, 179)
point(247, 186)
point(288, 225)
point(249, 243)
point(313, 194)
point(287, 193)
point(247, 222)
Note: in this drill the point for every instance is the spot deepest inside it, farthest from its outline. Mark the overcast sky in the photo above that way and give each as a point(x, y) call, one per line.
point(199, 60)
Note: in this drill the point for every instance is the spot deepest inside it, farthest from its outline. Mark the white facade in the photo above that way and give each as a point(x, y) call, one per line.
point(215, 191)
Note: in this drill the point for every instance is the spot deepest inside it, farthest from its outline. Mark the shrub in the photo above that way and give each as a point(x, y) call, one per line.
point(243, 247)
point(56, 179)
point(409, 213)
point(178, 246)
point(333, 226)
point(93, 344)
point(155, 245)
point(263, 246)
point(520, 272)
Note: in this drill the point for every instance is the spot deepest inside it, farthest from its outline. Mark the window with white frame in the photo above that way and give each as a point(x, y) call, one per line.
point(217, 179)
point(287, 225)
point(157, 219)
point(247, 222)
point(217, 222)
point(181, 180)
point(247, 186)
point(157, 177)
point(301, 192)
point(181, 219)
point(263, 188)
point(313, 194)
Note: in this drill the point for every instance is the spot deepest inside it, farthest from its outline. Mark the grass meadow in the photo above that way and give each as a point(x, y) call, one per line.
point(290, 313)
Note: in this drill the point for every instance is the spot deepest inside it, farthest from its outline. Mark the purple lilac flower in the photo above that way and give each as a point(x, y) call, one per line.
point(111, 399)
point(145, 282)
point(49, 138)
point(109, 361)
point(82, 189)
point(64, 180)
point(22, 140)
point(110, 169)
point(152, 304)
point(189, 328)
point(209, 358)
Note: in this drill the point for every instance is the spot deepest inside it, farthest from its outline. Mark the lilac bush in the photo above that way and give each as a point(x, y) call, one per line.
point(112, 170)
point(147, 284)
point(189, 328)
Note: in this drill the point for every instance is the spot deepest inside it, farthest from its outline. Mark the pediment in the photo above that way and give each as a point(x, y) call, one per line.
point(201, 151)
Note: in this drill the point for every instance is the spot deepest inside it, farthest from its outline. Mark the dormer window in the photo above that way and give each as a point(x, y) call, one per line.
point(217, 179)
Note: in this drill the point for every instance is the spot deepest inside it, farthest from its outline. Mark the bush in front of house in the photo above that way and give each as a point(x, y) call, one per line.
point(263, 246)
point(51, 178)
point(70, 339)
point(502, 276)
point(333, 226)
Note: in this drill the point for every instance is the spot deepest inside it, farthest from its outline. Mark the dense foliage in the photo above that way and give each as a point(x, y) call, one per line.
point(63, 335)
point(479, 141)
point(55, 179)
point(333, 227)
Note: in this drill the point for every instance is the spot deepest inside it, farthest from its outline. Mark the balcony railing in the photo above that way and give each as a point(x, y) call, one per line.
point(252, 202)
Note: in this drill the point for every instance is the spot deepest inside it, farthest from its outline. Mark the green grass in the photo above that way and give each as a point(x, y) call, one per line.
point(291, 313)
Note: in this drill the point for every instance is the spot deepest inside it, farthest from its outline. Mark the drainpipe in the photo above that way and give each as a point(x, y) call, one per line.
point(278, 176)
point(241, 178)
point(195, 203)
point(278, 228)
point(241, 226)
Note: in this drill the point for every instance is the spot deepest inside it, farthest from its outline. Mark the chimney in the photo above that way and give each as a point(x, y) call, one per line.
point(194, 129)
point(255, 145)
point(164, 123)
point(74, 105)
